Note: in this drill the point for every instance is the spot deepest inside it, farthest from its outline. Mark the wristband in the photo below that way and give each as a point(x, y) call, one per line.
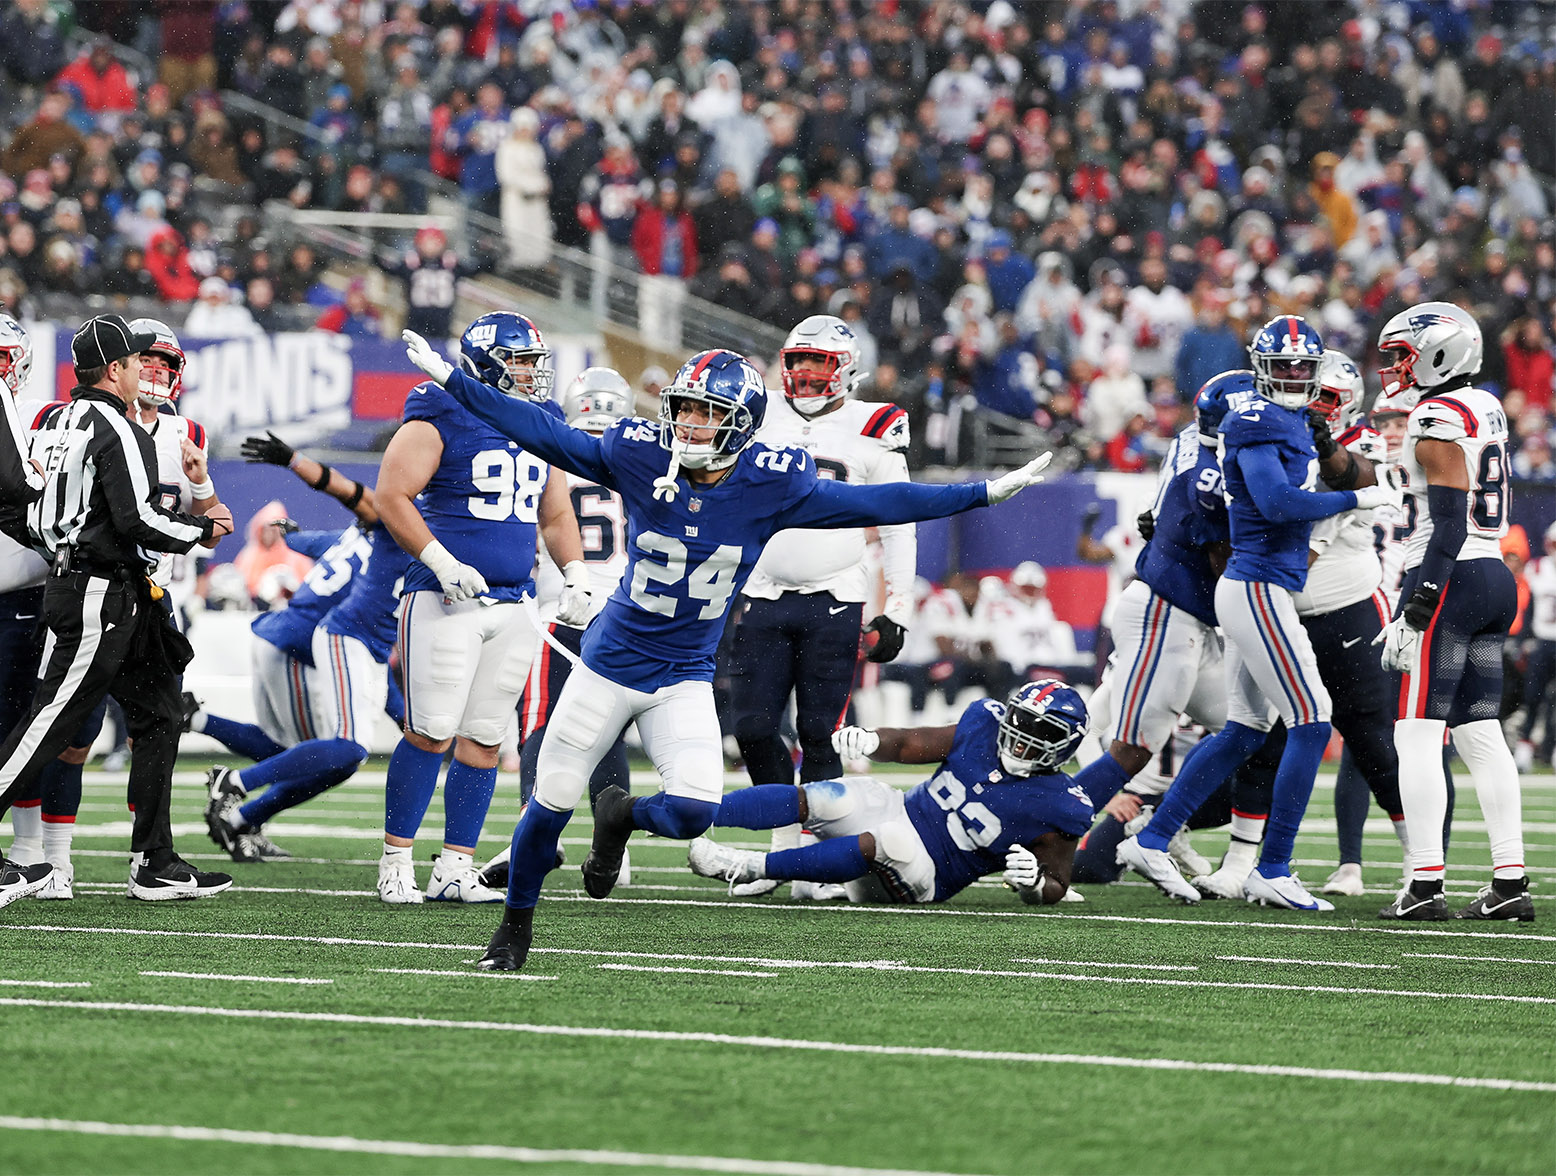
point(355, 496)
point(437, 558)
point(324, 477)
point(575, 574)
point(200, 491)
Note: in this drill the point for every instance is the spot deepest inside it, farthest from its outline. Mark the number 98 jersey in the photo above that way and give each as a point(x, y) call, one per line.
point(1474, 421)
point(483, 501)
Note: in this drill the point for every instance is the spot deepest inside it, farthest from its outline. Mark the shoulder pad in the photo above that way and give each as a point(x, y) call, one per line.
point(638, 429)
point(777, 459)
point(888, 425)
point(1255, 426)
point(427, 402)
point(195, 431)
point(48, 412)
point(1442, 418)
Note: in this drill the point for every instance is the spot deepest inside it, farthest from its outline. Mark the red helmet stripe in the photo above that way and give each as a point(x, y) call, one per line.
point(703, 363)
point(1291, 326)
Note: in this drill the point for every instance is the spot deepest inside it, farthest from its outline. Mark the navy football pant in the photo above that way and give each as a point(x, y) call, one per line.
point(1460, 678)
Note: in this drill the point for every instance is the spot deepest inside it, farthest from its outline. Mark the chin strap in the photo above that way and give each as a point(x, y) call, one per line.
point(665, 488)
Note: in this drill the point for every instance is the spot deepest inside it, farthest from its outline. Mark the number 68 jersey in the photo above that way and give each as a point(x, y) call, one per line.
point(1474, 421)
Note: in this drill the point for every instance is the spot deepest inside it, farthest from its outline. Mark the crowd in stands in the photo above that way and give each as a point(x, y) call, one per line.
point(1063, 213)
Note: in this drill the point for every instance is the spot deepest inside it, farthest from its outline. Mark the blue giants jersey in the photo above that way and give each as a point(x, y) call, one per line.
point(483, 502)
point(1190, 513)
point(368, 611)
point(970, 812)
point(290, 629)
point(1264, 551)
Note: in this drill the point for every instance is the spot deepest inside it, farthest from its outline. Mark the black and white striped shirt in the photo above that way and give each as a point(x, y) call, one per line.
point(100, 497)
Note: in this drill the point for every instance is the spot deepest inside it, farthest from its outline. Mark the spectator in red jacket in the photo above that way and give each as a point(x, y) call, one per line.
point(103, 83)
point(665, 241)
point(1529, 364)
point(167, 260)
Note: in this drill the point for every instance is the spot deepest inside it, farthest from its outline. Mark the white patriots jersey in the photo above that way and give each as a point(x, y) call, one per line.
point(1541, 578)
point(1474, 421)
point(1347, 568)
point(861, 443)
point(1158, 323)
point(177, 573)
point(21, 567)
point(1125, 544)
point(602, 526)
point(1391, 530)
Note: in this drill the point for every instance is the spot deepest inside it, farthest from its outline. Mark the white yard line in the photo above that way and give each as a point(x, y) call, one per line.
point(477, 974)
point(1428, 955)
point(440, 1151)
point(797, 1044)
point(246, 979)
point(686, 971)
point(45, 984)
point(1105, 964)
point(1308, 963)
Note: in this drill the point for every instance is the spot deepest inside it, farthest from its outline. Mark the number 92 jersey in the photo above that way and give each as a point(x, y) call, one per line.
point(483, 501)
point(1474, 421)
point(970, 812)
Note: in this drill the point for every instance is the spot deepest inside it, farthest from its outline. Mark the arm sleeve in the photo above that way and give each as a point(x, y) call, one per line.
point(20, 482)
point(1449, 511)
point(838, 504)
point(1277, 499)
point(313, 544)
point(899, 541)
point(128, 491)
point(532, 427)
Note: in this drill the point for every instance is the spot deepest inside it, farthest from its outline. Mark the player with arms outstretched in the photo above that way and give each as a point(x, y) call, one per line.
point(1458, 602)
point(701, 501)
point(999, 801)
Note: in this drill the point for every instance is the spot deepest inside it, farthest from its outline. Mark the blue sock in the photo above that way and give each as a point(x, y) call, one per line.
point(60, 788)
point(1101, 778)
point(679, 817)
point(1293, 786)
point(394, 703)
point(467, 794)
point(244, 738)
point(307, 759)
point(837, 860)
point(328, 763)
point(533, 852)
point(767, 806)
point(413, 778)
point(1204, 770)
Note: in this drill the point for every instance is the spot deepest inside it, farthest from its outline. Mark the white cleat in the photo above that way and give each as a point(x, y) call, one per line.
point(755, 889)
point(1346, 880)
point(1227, 882)
point(61, 884)
point(802, 891)
point(1073, 895)
point(1190, 860)
point(459, 884)
point(1283, 891)
point(397, 883)
point(624, 875)
point(735, 866)
point(1523, 756)
point(1158, 868)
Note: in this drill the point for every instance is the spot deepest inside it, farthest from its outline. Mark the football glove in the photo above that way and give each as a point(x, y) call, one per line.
point(269, 449)
point(1388, 492)
point(1401, 645)
point(1145, 523)
point(855, 742)
point(575, 600)
point(1323, 439)
point(1007, 486)
point(889, 636)
point(459, 581)
point(420, 352)
point(1022, 868)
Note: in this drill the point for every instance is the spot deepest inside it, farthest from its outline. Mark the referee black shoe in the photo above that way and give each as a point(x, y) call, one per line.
point(612, 826)
point(509, 947)
point(190, 706)
point(1506, 900)
point(19, 881)
point(176, 880)
point(1420, 902)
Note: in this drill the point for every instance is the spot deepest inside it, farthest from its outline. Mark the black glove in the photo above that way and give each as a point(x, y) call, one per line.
point(1089, 518)
point(888, 638)
point(286, 526)
point(1422, 606)
point(1323, 440)
point(269, 449)
point(1145, 523)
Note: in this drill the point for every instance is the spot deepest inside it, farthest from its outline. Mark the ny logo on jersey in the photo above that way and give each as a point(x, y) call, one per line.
point(1241, 402)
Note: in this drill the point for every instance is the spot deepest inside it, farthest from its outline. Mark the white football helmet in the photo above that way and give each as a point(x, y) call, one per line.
point(1388, 417)
point(1431, 343)
point(162, 379)
point(1340, 389)
point(16, 350)
point(596, 399)
point(830, 339)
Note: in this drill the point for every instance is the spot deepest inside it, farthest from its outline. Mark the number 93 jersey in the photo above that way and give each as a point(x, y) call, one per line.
point(971, 811)
point(483, 501)
point(1474, 421)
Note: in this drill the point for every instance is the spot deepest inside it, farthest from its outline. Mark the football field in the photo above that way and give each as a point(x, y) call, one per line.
point(296, 1024)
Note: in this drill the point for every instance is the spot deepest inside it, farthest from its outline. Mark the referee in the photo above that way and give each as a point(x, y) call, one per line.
point(100, 524)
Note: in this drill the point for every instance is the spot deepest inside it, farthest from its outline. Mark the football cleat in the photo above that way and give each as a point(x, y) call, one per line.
point(1346, 880)
point(397, 882)
point(174, 881)
point(190, 706)
point(1284, 890)
point(1227, 882)
point(257, 847)
point(735, 866)
point(1523, 756)
point(221, 814)
point(612, 826)
point(509, 946)
point(1190, 860)
point(495, 872)
point(60, 885)
point(817, 891)
point(1417, 904)
point(1157, 867)
point(18, 881)
point(1505, 901)
point(754, 889)
point(451, 883)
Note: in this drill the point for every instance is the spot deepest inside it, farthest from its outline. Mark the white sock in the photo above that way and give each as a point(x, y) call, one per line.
point(1423, 793)
point(57, 836)
point(394, 854)
point(790, 837)
point(1484, 752)
point(1247, 827)
point(451, 860)
point(1241, 855)
point(27, 849)
point(197, 722)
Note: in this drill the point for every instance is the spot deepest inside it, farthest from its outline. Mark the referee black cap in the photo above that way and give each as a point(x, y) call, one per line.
point(107, 337)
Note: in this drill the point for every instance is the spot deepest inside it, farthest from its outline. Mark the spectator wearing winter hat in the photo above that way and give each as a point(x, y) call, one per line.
point(167, 258)
point(103, 83)
point(1008, 273)
point(356, 317)
point(218, 314)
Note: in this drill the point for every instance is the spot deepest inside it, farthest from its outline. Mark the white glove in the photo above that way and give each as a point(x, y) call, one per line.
point(574, 603)
point(853, 743)
point(458, 581)
point(1401, 646)
point(1022, 870)
point(1388, 491)
point(1007, 486)
point(420, 352)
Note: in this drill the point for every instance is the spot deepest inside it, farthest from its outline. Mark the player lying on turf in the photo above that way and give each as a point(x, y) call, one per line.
point(997, 802)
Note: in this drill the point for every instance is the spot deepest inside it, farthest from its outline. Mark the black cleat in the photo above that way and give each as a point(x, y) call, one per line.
point(1507, 901)
point(191, 706)
point(509, 947)
point(176, 880)
point(1420, 902)
point(256, 847)
point(18, 881)
point(226, 797)
point(612, 826)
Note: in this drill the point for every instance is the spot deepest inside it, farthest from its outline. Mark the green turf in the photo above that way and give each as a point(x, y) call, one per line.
point(475, 1086)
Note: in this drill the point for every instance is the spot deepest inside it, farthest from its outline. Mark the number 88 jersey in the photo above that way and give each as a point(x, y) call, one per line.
point(1474, 421)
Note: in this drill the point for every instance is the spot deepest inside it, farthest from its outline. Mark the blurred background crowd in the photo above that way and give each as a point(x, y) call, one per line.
point(1059, 217)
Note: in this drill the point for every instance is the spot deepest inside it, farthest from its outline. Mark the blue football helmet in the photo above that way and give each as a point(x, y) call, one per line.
point(1044, 722)
point(733, 402)
point(506, 350)
point(1285, 355)
point(1210, 405)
